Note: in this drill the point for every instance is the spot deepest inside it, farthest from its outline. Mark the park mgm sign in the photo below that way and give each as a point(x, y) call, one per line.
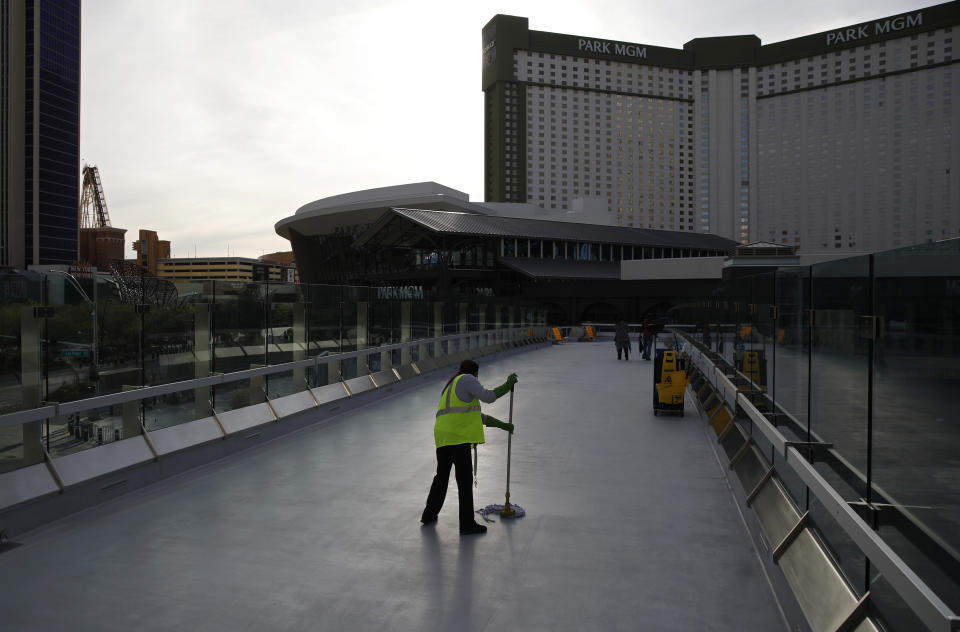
point(508, 33)
point(880, 27)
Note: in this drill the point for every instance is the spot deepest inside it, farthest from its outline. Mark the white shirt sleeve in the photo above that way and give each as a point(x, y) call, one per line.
point(469, 388)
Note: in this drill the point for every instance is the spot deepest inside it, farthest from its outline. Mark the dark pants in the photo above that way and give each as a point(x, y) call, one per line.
point(447, 456)
point(624, 348)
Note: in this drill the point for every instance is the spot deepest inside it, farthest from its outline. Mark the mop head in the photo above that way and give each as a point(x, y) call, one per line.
point(489, 510)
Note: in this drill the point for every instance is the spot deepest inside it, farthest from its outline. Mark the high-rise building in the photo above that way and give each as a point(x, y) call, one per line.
point(150, 249)
point(846, 139)
point(39, 131)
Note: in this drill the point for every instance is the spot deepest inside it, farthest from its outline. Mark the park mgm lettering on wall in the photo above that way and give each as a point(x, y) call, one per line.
point(612, 48)
point(405, 292)
point(880, 27)
point(489, 45)
point(489, 53)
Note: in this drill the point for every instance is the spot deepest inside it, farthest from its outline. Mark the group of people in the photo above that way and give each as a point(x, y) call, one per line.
point(621, 339)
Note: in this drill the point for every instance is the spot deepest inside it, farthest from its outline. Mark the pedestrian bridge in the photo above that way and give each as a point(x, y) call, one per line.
point(633, 521)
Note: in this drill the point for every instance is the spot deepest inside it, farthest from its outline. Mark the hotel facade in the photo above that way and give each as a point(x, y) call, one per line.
point(842, 140)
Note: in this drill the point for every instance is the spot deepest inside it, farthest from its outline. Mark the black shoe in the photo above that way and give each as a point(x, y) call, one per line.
point(425, 519)
point(472, 529)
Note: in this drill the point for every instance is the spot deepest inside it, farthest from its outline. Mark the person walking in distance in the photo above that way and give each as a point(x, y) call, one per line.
point(459, 425)
point(647, 340)
point(621, 338)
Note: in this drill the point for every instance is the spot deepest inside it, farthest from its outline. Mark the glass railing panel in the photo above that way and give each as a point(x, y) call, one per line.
point(21, 291)
point(196, 329)
point(790, 481)
point(476, 313)
point(350, 368)
point(449, 318)
point(791, 365)
point(916, 432)
point(355, 319)
point(755, 362)
point(368, 363)
point(234, 395)
point(12, 454)
point(888, 608)
point(284, 383)
point(931, 566)
point(91, 428)
point(168, 343)
point(845, 553)
point(840, 366)
point(67, 352)
point(236, 317)
point(11, 389)
point(384, 319)
point(170, 410)
point(325, 319)
point(421, 316)
point(119, 345)
point(321, 373)
point(282, 300)
point(727, 328)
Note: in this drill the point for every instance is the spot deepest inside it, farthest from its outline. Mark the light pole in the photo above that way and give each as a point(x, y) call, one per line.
point(94, 356)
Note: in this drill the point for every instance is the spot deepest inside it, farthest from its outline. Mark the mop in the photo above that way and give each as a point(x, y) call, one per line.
point(505, 510)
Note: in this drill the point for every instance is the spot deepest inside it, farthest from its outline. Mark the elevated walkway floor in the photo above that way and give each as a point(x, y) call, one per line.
point(630, 525)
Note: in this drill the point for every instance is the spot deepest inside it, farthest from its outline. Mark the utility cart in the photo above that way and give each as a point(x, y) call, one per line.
point(669, 377)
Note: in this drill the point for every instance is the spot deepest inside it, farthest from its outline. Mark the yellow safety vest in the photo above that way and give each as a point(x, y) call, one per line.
point(457, 421)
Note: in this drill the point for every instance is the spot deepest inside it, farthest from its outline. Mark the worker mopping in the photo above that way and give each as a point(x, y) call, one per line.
point(459, 425)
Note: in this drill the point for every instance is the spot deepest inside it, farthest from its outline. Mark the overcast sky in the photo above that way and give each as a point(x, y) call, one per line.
point(210, 120)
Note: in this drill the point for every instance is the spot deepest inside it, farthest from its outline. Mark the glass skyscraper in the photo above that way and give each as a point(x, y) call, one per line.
point(40, 124)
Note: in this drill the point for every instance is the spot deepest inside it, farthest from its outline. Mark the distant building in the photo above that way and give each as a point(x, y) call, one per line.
point(225, 269)
point(20, 286)
point(845, 140)
point(425, 239)
point(102, 247)
point(150, 249)
point(39, 132)
point(285, 258)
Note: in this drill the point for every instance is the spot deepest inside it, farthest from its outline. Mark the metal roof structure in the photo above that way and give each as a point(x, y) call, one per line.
point(467, 224)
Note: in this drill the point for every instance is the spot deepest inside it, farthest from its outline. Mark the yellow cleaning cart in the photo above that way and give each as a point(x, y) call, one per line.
point(669, 379)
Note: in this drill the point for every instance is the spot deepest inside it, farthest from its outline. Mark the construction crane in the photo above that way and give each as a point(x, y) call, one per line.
point(93, 198)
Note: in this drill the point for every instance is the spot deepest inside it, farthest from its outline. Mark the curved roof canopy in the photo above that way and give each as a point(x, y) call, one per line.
point(384, 232)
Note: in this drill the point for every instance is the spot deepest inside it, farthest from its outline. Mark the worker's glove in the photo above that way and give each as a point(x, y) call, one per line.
point(504, 388)
point(493, 422)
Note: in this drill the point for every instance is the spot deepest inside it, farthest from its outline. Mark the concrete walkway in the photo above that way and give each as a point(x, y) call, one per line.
point(629, 526)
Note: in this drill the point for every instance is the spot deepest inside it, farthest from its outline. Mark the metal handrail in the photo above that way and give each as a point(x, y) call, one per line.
point(113, 399)
point(942, 554)
point(925, 603)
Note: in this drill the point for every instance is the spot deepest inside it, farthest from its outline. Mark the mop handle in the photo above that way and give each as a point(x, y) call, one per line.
point(509, 437)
